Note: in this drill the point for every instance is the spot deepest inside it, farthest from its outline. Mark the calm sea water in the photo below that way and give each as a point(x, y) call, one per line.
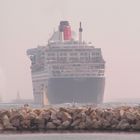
point(72, 136)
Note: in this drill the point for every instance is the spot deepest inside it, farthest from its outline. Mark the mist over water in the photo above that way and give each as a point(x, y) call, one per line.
point(2, 83)
point(113, 26)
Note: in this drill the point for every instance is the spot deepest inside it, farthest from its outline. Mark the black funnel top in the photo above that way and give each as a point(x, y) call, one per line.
point(62, 25)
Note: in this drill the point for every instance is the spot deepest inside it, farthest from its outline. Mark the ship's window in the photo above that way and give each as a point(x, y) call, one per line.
point(33, 59)
point(84, 53)
point(97, 53)
point(73, 54)
point(72, 59)
point(102, 66)
point(55, 67)
point(63, 54)
point(93, 53)
point(53, 58)
point(51, 54)
point(98, 58)
point(63, 59)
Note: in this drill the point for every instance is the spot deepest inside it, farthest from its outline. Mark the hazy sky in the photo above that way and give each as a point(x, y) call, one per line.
point(112, 25)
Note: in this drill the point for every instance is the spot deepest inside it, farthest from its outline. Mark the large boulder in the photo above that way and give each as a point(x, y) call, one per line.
point(75, 122)
point(64, 116)
point(88, 122)
point(53, 116)
point(4, 112)
point(82, 125)
point(50, 125)
point(66, 124)
point(96, 124)
point(1, 127)
point(25, 124)
point(131, 117)
point(136, 126)
point(123, 125)
point(57, 122)
point(46, 115)
point(6, 123)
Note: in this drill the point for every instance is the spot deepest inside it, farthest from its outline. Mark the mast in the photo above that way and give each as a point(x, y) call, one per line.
point(18, 96)
point(80, 33)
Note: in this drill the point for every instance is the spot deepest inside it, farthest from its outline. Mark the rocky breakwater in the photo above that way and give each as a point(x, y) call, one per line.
point(71, 118)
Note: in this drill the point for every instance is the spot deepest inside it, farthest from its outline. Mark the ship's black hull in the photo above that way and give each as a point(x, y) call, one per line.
point(78, 90)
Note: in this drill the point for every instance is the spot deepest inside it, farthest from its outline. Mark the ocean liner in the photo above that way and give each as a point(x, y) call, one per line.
point(67, 69)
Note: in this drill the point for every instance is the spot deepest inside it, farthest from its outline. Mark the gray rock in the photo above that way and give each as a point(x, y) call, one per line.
point(136, 126)
point(17, 115)
point(25, 124)
point(123, 125)
point(88, 122)
point(64, 116)
point(93, 115)
point(46, 115)
point(122, 112)
point(76, 122)
point(57, 122)
point(96, 124)
point(1, 127)
point(130, 116)
point(37, 111)
point(31, 115)
point(66, 124)
point(6, 121)
point(63, 109)
point(53, 116)
point(15, 123)
point(4, 112)
point(50, 125)
point(105, 124)
point(82, 125)
point(114, 121)
point(41, 123)
point(83, 116)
